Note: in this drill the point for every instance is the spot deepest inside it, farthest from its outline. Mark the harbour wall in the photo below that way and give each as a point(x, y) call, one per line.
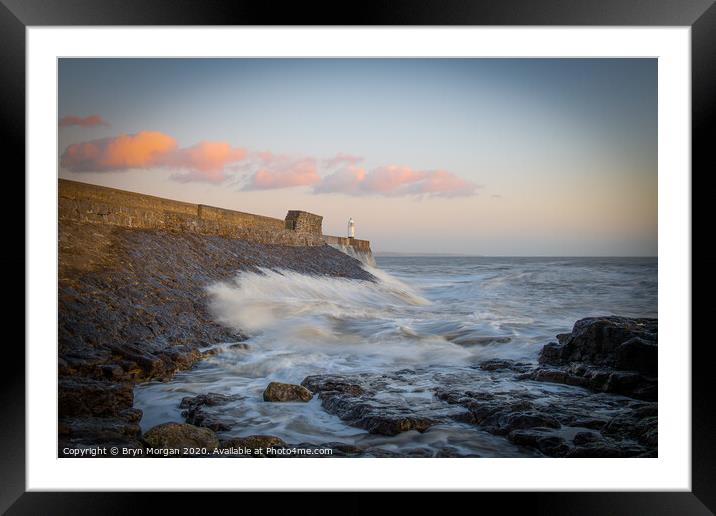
point(83, 202)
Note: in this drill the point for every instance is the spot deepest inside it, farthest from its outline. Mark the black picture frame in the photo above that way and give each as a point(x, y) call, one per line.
point(700, 15)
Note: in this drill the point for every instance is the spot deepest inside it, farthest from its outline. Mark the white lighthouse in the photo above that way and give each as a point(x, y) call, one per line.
point(351, 228)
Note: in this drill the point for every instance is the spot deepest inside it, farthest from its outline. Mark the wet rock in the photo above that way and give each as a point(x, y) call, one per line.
point(607, 354)
point(149, 364)
point(638, 354)
point(196, 412)
point(502, 364)
point(276, 391)
point(375, 418)
point(585, 437)
point(98, 429)
point(326, 383)
point(640, 425)
point(78, 396)
point(602, 450)
point(555, 423)
point(210, 399)
point(626, 383)
point(180, 435)
point(357, 400)
point(597, 340)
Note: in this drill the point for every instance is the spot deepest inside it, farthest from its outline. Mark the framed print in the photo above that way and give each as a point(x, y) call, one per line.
point(427, 249)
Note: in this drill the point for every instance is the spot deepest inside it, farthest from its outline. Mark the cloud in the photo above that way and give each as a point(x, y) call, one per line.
point(347, 180)
point(126, 151)
point(282, 172)
point(205, 161)
point(342, 159)
point(395, 180)
point(213, 161)
point(88, 121)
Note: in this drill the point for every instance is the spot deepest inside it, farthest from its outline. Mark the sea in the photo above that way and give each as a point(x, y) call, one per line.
point(437, 315)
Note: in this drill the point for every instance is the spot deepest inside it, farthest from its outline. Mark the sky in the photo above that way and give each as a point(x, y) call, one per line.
point(496, 157)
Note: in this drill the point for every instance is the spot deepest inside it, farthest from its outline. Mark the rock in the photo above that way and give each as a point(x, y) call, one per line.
point(585, 437)
point(276, 391)
point(150, 365)
point(357, 403)
point(501, 364)
point(78, 396)
point(607, 354)
point(324, 383)
point(601, 450)
point(210, 399)
point(550, 444)
point(180, 435)
point(638, 354)
point(596, 340)
point(98, 429)
point(196, 412)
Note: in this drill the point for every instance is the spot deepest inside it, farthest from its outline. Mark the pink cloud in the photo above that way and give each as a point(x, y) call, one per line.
point(342, 159)
point(346, 180)
point(126, 151)
point(205, 161)
point(395, 180)
point(283, 172)
point(210, 161)
point(88, 121)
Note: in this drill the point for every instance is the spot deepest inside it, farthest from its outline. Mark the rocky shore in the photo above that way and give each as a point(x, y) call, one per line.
point(133, 307)
point(598, 415)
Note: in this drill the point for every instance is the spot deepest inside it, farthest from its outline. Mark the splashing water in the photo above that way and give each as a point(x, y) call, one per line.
point(439, 316)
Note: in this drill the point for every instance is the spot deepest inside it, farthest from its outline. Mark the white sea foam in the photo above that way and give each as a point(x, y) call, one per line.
point(464, 311)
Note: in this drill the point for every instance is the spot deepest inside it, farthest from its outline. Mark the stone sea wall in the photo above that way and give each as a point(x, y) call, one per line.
point(81, 202)
point(132, 298)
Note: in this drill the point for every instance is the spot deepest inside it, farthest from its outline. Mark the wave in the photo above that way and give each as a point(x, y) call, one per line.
point(255, 301)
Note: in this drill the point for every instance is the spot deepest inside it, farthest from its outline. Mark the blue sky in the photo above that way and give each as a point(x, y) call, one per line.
point(477, 156)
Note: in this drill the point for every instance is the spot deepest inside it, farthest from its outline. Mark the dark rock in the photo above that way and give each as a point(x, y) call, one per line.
point(353, 399)
point(323, 383)
point(79, 396)
point(501, 364)
point(638, 354)
point(180, 435)
point(211, 399)
point(595, 340)
point(600, 450)
point(585, 437)
point(374, 418)
point(197, 414)
point(607, 354)
point(98, 429)
point(550, 444)
point(276, 391)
